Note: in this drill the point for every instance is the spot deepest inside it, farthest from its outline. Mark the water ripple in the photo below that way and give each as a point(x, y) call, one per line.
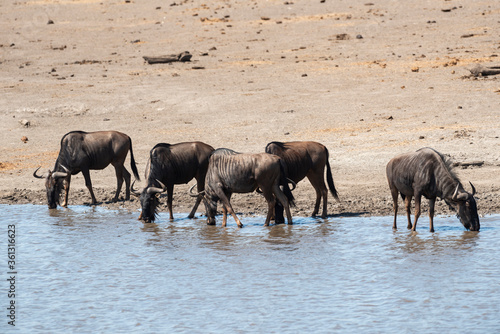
point(96, 270)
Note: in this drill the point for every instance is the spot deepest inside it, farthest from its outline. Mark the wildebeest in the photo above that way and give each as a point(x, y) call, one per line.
point(171, 164)
point(231, 172)
point(306, 158)
point(426, 172)
point(82, 151)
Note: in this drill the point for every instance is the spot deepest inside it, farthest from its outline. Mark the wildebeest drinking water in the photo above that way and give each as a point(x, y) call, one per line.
point(426, 172)
point(171, 164)
point(231, 172)
point(306, 159)
point(82, 151)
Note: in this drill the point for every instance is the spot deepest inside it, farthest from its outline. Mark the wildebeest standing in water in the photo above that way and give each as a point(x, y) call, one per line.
point(231, 172)
point(82, 151)
point(426, 172)
point(306, 159)
point(171, 164)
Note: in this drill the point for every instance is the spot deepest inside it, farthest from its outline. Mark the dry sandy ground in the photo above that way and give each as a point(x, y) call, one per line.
point(367, 79)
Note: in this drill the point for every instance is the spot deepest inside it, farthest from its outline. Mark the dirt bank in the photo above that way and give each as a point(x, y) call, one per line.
point(368, 80)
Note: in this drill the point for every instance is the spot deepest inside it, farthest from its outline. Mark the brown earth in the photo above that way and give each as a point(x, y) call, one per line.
point(368, 80)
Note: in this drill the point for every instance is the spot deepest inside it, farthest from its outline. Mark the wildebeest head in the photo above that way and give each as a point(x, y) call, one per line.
point(466, 207)
point(53, 185)
point(149, 201)
point(211, 208)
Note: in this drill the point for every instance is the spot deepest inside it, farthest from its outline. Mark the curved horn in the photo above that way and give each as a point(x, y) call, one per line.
point(473, 188)
point(134, 192)
point(38, 176)
point(61, 175)
point(156, 190)
point(455, 194)
point(58, 175)
point(195, 195)
point(294, 185)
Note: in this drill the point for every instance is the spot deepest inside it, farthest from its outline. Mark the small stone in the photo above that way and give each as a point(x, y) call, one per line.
point(25, 123)
point(24, 139)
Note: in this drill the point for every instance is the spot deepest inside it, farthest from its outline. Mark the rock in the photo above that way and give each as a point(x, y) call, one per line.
point(343, 37)
point(24, 139)
point(25, 123)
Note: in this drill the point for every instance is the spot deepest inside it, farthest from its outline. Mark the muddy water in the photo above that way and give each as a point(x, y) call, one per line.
point(87, 269)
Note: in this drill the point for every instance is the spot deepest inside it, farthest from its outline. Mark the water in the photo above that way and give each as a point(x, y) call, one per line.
point(94, 270)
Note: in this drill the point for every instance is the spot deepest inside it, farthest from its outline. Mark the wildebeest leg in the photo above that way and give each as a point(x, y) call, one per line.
point(127, 177)
point(268, 195)
point(224, 215)
point(225, 202)
point(224, 211)
point(88, 183)
point(418, 199)
point(119, 181)
point(278, 213)
point(319, 185)
point(316, 205)
point(170, 197)
point(284, 201)
point(200, 187)
point(431, 214)
point(395, 193)
point(66, 183)
point(408, 210)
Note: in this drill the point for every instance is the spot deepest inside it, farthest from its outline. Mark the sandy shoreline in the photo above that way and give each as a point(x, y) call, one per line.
point(368, 80)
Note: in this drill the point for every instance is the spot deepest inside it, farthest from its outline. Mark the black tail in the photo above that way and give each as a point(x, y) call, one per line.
point(132, 161)
point(329, 178)
point(284, 184)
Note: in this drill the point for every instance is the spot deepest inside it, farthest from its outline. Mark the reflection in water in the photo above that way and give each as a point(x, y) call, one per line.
point(415, 242)
point(89, 269)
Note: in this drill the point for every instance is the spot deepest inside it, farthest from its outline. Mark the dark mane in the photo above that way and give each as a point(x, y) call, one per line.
point(63, 153)
point(158, 164)
point(293, 160)
point(447, 163)
point(224, 151)
point(280, 144)
point(164, 145)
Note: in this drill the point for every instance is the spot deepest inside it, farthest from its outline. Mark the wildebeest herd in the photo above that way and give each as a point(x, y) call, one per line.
point(221, 172)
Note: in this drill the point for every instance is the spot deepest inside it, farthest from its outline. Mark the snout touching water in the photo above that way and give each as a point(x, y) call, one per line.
point(89, 269)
